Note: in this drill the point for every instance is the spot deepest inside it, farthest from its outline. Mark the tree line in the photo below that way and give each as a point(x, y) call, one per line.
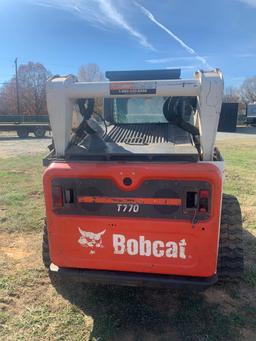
point(243, 95)
point(32, 79)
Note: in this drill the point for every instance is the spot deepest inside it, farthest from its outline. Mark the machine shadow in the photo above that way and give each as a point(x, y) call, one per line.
point(129, 313)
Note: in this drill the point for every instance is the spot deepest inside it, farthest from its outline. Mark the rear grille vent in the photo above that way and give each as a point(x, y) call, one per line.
point(146, 134)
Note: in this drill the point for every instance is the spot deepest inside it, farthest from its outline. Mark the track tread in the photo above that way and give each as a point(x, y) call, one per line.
point(45, 248)
point(231, 255)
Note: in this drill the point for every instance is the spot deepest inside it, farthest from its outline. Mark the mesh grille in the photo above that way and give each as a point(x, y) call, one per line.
point(146, 134)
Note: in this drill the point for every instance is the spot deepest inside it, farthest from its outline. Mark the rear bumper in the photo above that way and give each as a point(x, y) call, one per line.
point(135, 279)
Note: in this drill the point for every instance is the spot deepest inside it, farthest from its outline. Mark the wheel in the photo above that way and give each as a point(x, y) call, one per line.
point(231, 255)
point(22, 132)
point(45, 248)
point(39, 132)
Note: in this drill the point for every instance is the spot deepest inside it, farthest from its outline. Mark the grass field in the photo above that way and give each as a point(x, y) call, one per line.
point(33, 308)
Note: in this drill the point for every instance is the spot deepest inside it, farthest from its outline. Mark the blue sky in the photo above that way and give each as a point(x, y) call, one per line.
point(124, 34)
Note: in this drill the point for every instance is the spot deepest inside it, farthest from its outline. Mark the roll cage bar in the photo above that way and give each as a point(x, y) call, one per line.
point(62, 92)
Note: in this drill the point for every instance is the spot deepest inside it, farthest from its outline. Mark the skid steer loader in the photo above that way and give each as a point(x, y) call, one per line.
point(134, 194)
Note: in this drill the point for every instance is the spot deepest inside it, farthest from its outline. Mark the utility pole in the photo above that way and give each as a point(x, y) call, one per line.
point(17, 86)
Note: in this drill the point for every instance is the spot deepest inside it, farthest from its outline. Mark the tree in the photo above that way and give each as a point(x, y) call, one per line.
point(90, 73)
point(248, 90)
point(32, 91)
point(8, 103)
point(231, 95)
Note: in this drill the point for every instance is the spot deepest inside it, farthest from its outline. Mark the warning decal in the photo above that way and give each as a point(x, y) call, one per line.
point(132, 88)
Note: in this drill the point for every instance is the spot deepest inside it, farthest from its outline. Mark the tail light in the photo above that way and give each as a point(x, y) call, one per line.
point(57, 197)
point(62, 197)
point(198, 200)
point(203, 201)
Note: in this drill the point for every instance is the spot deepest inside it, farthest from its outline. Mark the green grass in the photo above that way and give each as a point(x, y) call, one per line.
point(240, 173)
point(34, 308)
point(38, 313)
point(21, 195)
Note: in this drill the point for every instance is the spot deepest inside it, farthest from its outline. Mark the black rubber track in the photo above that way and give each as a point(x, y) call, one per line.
point(45, 248)
point(231, 254)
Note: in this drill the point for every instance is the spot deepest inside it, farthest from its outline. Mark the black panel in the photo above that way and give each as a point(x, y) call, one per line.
point(148, 189)
point(137, 75)
point(228, 117)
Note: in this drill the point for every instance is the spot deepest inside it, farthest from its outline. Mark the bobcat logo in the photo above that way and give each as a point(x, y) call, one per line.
point(91, 239)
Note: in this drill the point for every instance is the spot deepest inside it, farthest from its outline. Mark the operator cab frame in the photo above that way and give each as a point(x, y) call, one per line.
point(177, 133)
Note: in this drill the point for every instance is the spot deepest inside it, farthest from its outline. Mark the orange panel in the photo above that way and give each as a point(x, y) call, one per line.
point(144, 201)
point(163, 246)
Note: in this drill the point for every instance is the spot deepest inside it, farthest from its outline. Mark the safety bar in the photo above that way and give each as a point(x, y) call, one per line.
point(73, 89)
point(207, 86)
point(134, 88)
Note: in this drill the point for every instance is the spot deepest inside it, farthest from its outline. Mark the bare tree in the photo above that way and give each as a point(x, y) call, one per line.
point(231, 95)
point(90, 73)
point(248, 90)
point(8, 103)
point(32, 89)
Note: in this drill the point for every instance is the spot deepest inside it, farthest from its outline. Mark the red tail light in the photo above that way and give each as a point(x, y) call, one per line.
point(203, 201)
point(57, 197)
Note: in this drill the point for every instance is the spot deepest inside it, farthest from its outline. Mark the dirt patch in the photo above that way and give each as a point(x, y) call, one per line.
point(11, 145)
point(35, 193)
point(21, 251)
point(14, 253)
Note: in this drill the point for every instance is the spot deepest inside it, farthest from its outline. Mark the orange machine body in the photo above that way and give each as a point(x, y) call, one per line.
point(170, 238)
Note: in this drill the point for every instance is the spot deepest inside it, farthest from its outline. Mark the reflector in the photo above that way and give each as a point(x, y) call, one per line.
point(203, 200)
point(57, 197)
